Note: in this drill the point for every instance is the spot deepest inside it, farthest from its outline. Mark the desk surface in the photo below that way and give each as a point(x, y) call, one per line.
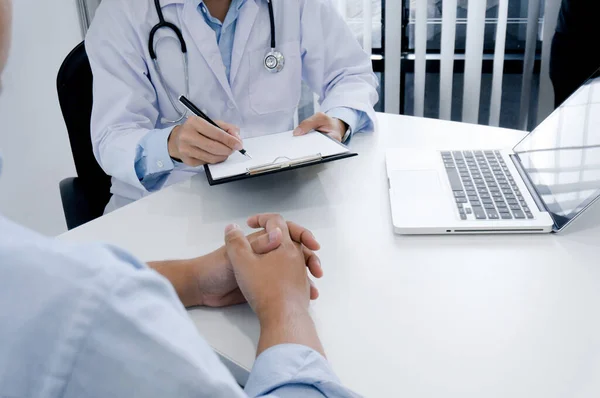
point(453, 316)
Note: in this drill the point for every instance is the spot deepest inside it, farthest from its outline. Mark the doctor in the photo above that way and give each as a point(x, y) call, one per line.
point(242, 61)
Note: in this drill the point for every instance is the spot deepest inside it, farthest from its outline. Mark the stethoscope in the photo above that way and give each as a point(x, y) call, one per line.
point(274, 60)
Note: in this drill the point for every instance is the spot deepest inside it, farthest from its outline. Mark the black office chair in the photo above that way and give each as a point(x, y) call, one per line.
point(83, 197)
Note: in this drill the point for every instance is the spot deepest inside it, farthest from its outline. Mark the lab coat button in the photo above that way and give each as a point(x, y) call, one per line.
point(230, 104)
point(160, 164)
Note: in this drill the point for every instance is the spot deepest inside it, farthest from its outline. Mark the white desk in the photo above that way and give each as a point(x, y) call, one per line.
point(452, 316)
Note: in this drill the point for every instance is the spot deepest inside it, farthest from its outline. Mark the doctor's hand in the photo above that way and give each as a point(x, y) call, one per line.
point(335, 128)
point(197, 142)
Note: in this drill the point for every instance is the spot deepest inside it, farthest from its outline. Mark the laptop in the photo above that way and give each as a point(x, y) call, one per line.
point(542, 185)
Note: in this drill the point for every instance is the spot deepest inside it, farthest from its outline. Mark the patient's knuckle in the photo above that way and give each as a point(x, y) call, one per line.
point(278, 218)
point(235, 240)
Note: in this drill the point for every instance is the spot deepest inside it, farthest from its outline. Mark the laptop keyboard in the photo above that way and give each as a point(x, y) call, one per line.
point(483, 186)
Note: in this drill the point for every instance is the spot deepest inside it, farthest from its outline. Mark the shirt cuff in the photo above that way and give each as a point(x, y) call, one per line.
point(295, 366)
point(152, 158)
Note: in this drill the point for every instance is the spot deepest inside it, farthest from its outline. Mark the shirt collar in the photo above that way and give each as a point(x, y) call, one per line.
point(235, 3)
point(232, 13)
point(164, 3)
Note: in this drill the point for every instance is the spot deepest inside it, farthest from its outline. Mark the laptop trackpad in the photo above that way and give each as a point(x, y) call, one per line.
point(419, 199)
point(416, 183)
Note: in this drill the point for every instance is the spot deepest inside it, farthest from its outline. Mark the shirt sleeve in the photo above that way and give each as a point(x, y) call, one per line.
point(334, 65)
point(153, 162)
point(140, 342)
point(291, 370)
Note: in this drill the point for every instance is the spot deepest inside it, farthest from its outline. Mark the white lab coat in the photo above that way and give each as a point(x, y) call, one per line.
point(129, 102)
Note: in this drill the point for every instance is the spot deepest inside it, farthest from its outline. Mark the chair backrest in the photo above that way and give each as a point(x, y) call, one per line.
point(74, 86)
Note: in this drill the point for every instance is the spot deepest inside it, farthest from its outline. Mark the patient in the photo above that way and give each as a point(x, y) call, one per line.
point(92, 321)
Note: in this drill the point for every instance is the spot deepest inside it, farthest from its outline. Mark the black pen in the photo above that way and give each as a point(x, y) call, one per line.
point(196, 111)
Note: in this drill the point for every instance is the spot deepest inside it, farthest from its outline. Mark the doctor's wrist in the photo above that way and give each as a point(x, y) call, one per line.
point(343, 124)
point(172, 144)
point(341, 129)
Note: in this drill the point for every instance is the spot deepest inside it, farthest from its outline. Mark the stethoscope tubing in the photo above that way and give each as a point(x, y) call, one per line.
point(275, 55)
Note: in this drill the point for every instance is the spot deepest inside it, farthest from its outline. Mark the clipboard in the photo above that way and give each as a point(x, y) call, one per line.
point(279, 165)
point(276, 153)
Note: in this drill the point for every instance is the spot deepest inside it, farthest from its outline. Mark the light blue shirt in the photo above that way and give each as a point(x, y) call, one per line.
point(153, 163)
point(87, 321)
point(224, 31)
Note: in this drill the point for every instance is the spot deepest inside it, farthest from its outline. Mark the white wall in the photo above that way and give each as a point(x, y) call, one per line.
point(33, 138)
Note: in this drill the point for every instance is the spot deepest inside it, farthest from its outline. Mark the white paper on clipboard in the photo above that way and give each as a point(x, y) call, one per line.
point(276, 148)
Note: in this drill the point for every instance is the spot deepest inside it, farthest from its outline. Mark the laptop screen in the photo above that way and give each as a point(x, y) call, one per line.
point(562, 155)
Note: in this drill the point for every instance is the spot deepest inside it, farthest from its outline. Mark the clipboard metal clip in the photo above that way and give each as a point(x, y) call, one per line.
point(286, 163)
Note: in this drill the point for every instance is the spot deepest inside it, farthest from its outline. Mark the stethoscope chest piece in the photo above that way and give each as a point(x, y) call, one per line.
point(274, 61)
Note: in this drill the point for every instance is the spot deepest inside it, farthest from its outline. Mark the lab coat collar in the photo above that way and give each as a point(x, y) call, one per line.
point(209, 49)
point(245, 22)
point(194, 23)
point(164, 3)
